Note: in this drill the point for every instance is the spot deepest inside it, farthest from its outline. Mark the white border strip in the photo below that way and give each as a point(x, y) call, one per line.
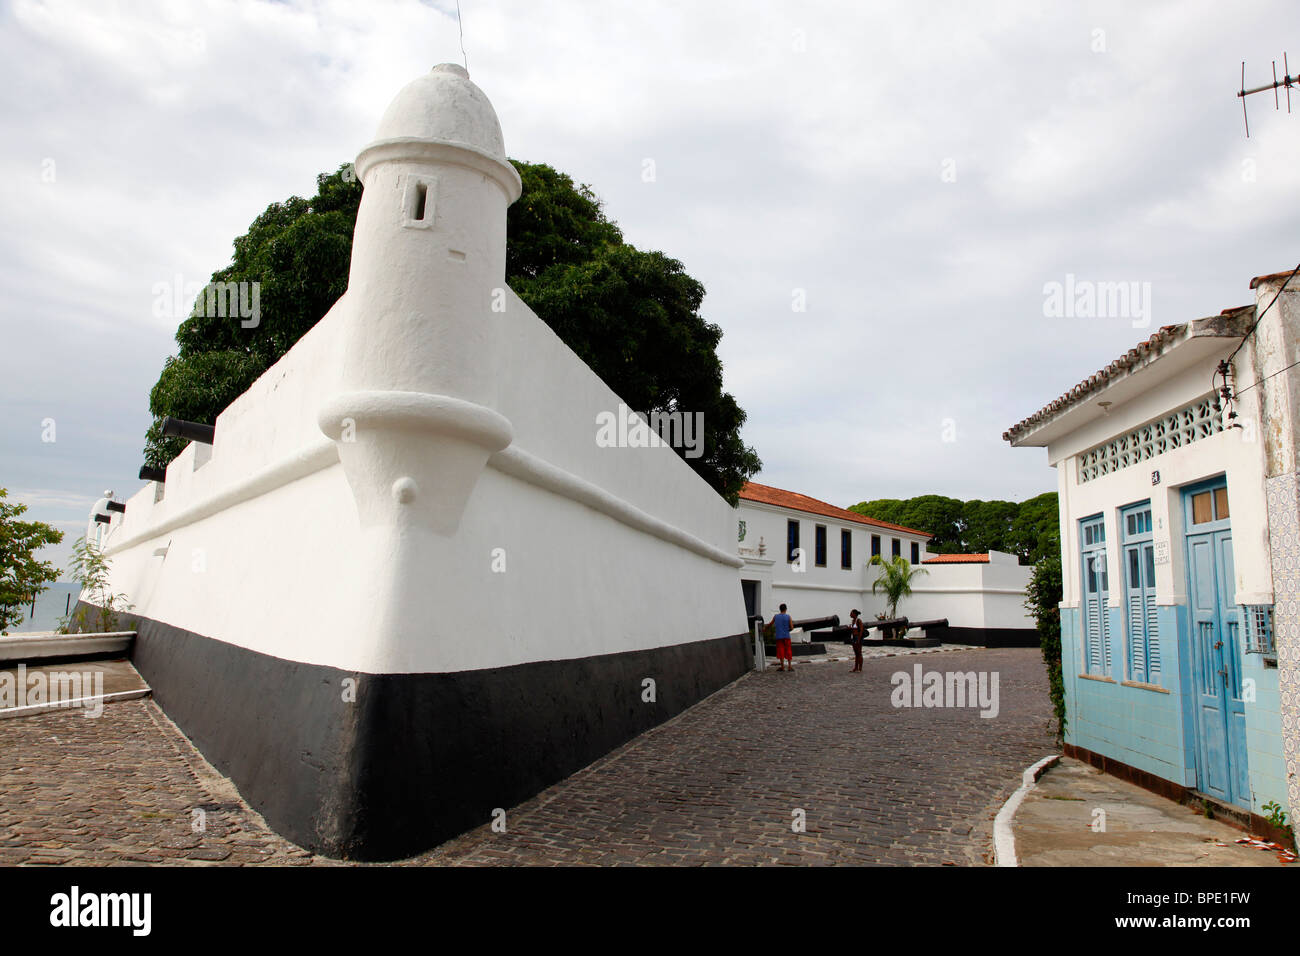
point(76, 704)
point(1004, 841)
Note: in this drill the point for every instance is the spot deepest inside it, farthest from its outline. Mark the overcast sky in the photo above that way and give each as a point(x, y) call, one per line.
point(915, 173)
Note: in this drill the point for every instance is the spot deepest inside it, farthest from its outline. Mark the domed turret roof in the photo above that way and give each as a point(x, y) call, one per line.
point(443, 107)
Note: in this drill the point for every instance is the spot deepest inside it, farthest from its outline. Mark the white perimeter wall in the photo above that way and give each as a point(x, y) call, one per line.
point(604, 549)
point(974, 595)
point(977, 595)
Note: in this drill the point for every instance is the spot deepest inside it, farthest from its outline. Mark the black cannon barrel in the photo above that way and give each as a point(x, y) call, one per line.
point(818, 623)
point(118, 506)
point(103, 518)
point(938, 622)
point(896, 622)
point(190, 431)
point(150, 473)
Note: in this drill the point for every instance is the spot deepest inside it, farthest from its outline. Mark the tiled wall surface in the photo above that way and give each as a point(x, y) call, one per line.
point(1284, 538)
point(1153, 731)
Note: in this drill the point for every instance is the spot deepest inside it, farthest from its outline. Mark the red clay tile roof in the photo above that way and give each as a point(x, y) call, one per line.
point(1229, 323)
point(1094, 382)
point(1270, 278)
point(958, 559)
point(767, 495)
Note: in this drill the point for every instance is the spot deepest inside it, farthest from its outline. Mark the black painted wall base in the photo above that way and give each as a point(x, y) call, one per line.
point(407, 761)
point(986, 636)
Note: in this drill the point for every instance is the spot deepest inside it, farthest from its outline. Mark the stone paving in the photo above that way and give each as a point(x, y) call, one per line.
point(721, 783)
point(724, 783)
point(119, 789)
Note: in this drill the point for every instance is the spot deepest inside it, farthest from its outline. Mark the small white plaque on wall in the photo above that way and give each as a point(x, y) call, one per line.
point(1162, 552)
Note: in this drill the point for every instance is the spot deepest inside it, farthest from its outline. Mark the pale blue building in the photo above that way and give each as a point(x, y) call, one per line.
point(1178, 497)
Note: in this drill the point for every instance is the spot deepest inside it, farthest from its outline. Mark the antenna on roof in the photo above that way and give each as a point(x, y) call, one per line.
point(461, 27)
point(1285, 83)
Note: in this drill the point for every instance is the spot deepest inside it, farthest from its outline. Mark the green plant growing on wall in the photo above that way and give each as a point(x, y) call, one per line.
point(895, 580)
point(89, 568)
point(1277, 817)
point(1044, 605)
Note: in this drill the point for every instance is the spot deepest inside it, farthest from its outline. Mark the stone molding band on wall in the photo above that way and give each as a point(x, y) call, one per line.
point(304, 462)
point(1019, 591)
point(464, 155)
point(915, 590)
point(418, 412)
point(801, 585)
point(517, 463)
point(511, 461)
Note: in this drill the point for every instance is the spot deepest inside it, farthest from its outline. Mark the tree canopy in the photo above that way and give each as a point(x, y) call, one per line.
point(22, 576)
point(1029, 529)
point(632, 316)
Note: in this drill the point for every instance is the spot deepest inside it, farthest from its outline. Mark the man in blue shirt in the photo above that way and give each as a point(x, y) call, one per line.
point(781, 625)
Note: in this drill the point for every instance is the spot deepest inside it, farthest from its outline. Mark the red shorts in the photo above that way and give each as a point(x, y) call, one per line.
point(783, 650)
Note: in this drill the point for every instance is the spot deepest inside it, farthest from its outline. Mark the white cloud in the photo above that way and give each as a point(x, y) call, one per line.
point(796, 147)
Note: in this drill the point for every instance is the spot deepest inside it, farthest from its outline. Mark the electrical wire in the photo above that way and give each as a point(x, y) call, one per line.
point(1225, 366)
point(1259, 318)
point(1266, 378)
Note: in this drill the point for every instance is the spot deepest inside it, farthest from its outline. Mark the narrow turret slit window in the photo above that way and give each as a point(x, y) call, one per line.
point(419, 203)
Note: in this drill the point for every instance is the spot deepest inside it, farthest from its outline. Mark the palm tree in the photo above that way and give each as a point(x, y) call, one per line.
point(895, 580)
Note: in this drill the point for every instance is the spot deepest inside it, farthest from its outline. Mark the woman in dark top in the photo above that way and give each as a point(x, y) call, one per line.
point(855, 637)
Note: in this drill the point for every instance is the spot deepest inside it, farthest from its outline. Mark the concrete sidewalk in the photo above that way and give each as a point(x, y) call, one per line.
point(30, 689)
point(1055, 826)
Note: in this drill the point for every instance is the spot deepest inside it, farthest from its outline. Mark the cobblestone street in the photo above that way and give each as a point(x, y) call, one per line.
point(722, 783)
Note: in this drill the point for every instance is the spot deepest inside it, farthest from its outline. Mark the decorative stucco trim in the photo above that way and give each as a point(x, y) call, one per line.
point(512, 461)
point(517, 463)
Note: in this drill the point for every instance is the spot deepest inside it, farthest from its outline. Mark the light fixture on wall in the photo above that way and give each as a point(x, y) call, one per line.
point(1105, 407)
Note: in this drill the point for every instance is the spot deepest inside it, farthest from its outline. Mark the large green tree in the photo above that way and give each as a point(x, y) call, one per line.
point(633, 316)
point(1028, 529)
point(22, 575)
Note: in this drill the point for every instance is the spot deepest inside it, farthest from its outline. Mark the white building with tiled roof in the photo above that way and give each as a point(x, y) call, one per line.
point(815, 558)
point(1177, 474)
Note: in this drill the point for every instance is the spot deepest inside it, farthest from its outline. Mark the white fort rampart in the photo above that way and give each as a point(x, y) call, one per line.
point(416, 486)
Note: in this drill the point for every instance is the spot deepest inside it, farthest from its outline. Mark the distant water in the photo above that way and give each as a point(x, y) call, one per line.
point(50, 606)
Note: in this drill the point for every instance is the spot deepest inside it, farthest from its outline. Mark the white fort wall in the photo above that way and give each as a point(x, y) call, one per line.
point(406, 585)
point(647, 566)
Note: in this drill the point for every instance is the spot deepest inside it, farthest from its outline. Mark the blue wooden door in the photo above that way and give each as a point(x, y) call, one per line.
point(1215, 646)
